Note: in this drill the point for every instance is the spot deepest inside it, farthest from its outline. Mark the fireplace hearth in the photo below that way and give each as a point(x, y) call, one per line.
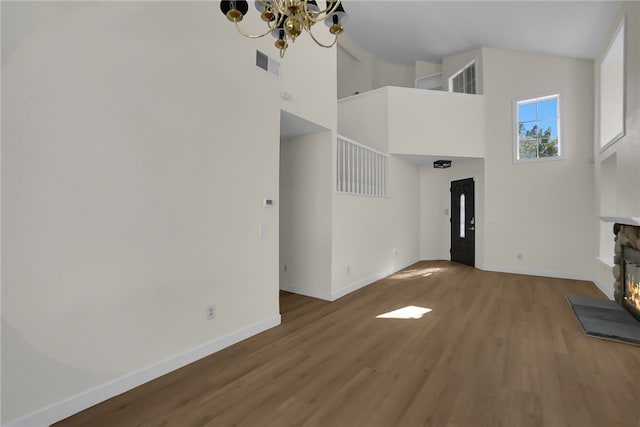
point(617, 320)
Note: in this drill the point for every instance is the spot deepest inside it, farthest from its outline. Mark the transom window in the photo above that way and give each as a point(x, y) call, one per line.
point(464, 81)
point(538, 128)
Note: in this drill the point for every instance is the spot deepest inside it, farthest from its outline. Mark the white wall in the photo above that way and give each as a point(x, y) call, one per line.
point(360, 71)
point(424, 68)
point(354, 68)
point(434, 214)
point(305, 214)
point(374, 236)
point(618, 167)
point(417, 122)
point(542, 210)
point(368, 230)
point(611, 100)
point(365, 118)
point(438, 123)
point(133, 171)
point(387, 74)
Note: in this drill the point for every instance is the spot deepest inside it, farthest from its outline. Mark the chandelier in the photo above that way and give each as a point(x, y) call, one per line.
point(285, 19)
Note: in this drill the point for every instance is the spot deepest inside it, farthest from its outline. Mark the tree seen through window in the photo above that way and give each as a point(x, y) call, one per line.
point(538, 135)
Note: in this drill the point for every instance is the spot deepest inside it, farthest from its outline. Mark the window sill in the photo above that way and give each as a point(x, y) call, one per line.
point(540, 160)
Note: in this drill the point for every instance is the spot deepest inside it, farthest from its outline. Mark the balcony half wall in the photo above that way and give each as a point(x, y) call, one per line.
point(415, 122)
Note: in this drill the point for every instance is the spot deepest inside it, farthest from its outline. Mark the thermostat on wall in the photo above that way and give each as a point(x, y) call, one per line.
point(267, 203)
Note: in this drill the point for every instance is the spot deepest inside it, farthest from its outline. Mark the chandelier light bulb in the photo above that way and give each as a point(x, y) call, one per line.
point(267, 16)
point(234, 10)
point(313, 5)
point(281, 44)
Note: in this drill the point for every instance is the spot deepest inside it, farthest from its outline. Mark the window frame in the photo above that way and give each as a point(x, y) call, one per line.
point(462, 70)
point(516, 121)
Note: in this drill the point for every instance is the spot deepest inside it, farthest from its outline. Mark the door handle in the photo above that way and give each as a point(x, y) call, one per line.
point(472, 228)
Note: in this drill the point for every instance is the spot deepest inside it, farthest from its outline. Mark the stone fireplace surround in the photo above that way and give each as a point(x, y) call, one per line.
point(626, 235)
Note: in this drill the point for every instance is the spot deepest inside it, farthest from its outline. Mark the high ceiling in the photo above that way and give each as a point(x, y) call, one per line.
point(404, 31)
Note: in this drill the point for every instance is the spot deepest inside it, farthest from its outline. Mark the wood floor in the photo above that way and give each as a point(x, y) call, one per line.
point(496, 350)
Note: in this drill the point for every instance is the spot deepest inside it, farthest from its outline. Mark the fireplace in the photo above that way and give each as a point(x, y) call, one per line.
point(627, 267)
point(631, 281)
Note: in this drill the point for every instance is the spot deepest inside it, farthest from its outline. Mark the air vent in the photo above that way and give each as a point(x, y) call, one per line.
point(268, 64)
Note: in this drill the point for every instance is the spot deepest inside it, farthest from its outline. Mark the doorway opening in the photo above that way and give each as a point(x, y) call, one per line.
point(304, 210)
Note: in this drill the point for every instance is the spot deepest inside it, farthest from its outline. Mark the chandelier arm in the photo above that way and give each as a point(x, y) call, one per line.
point(252, 36)
point(321, 44)
point(321, 15)
point(273, 5)
point(327, 10)
point(277, 23)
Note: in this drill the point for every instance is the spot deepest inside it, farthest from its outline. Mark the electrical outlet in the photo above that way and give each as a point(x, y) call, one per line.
point(285, 268)
point(211, 312)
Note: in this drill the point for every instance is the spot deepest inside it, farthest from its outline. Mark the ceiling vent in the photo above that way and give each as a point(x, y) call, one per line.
point(268, 64)
point(442, 164)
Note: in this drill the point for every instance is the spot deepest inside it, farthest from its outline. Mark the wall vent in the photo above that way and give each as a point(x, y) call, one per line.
point(268, 64)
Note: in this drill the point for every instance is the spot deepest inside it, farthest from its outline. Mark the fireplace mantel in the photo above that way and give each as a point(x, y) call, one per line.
point(627, 220)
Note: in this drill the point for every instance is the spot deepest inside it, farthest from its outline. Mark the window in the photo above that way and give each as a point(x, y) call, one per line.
point(538, 128)
point(462, 218)
point(360, 169)
point(464, 81)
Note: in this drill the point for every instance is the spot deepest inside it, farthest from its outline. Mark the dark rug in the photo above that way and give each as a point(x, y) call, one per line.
point(605, 319)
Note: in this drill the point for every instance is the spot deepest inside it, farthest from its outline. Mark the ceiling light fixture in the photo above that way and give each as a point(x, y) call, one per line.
point(286, 19)
point(442, 164)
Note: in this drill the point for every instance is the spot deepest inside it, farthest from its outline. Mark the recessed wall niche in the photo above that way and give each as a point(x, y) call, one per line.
point(608, 202)
point(612, 89)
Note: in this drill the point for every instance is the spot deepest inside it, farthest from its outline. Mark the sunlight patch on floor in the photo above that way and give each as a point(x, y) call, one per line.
point(408, 312)
point(419, 272)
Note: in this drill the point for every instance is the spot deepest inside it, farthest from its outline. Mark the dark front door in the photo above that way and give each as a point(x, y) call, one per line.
point(463, 222)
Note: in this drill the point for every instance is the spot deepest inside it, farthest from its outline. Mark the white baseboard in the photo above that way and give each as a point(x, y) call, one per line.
point(82, 401)
point(306, 292)
point(605, 289)
point(368, 280)
point(527, 272)
point(433, 258)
